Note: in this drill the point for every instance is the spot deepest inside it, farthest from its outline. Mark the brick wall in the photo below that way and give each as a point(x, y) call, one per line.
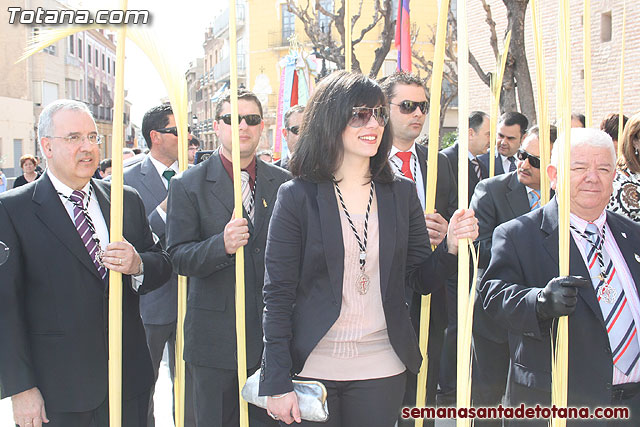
point(605, 56)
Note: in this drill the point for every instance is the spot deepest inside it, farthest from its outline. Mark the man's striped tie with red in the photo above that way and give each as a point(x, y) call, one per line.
point(86, 230)
point(617, 315)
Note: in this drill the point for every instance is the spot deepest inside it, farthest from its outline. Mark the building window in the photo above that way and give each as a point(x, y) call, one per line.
point(108, 65)
point(51, 50)
point(103, 62)
point(323, 20)
point(79, 48)
point(71, 87)
point(288, 24)
point(96, 58)
point(605, 27)
point(72, 45)
point(89, 53)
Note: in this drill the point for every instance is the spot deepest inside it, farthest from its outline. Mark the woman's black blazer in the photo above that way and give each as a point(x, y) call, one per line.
point(304, 264)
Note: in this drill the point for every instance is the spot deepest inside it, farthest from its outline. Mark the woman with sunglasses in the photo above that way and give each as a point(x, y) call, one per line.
point(345, 238)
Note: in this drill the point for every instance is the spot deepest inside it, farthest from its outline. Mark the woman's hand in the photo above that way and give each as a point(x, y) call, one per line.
point(284, 408)
point(463, 225)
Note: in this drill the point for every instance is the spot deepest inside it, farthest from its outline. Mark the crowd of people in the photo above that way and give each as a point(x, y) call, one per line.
point(338, 252)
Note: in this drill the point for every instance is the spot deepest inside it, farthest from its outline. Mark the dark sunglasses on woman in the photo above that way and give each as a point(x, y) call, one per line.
point(250, 119)
point(534, 161)
point(172, 130)
point(408, 107)
point(360, 116)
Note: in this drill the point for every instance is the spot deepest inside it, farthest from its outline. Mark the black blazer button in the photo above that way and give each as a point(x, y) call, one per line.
point(256, 250)
point(608, 386)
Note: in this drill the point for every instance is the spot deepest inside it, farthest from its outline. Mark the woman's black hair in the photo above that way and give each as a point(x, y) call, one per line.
point(320, 148)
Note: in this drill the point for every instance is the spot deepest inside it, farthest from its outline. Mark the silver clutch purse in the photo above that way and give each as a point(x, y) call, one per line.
point(312, 397)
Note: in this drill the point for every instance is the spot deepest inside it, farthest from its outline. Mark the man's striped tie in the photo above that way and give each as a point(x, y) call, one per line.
point(84, 226)
point(247, 194)
point(534, 200)
point(617, 315)
point(476, 168)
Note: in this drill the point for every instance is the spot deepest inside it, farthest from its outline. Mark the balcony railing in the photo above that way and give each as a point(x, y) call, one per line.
point(221, 23)
point(221, 69)
point(278, 38)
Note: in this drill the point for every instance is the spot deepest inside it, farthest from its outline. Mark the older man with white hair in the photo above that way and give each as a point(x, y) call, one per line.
point(522, 290)
point(54, 286)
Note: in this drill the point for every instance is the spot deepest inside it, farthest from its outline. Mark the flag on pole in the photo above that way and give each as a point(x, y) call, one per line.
point(403, 36)
point(294, 90)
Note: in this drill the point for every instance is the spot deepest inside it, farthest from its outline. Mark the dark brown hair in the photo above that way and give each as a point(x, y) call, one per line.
point(630, 157)
point(320, 147)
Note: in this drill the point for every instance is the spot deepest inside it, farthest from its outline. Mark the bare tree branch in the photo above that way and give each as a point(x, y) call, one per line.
point(493, 40)
point(485, 77)
point(333, 49)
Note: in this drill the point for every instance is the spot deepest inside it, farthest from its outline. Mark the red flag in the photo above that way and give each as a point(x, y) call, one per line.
point(403, 36)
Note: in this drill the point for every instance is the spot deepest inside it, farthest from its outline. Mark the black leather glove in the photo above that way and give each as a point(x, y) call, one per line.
point(559, 297)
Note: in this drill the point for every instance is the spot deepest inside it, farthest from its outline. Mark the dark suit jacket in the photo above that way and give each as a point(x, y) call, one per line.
point(53, 303)
point(200, 205)
point(304, 273)
point(495, 201)
point(159, 307)
point(446, 205)
point(524, 258)
point(446, 187)
point(451, 153)
point(283, 162)
point(484, 161)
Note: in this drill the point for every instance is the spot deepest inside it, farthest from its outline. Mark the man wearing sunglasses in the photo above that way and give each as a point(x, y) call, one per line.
point(291, 133)
point(203, 235)
point(512, 126)
point(408, 108)
point(151, 178)
point(496, 201)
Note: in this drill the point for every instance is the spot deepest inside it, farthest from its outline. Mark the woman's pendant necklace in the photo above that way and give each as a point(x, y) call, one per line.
point(362, 282)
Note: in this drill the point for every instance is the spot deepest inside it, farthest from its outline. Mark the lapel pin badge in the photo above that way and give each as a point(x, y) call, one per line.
point(637, 257)
point(264, 202)
point(624, 234)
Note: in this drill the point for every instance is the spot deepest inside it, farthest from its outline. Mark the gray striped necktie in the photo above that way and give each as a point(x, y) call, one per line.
point(247, 194)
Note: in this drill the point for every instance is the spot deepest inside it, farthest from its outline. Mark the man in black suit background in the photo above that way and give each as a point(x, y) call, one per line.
point(479, 135)
point(151, 178)
point(53, 297)
point(290, 132)
point(512, 126)
point(203, 235)
point(496, 201)
point(407, 112)
point(521, 289)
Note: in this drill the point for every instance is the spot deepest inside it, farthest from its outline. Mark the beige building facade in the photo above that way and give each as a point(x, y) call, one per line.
point(80, 67)
point(263, 31)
